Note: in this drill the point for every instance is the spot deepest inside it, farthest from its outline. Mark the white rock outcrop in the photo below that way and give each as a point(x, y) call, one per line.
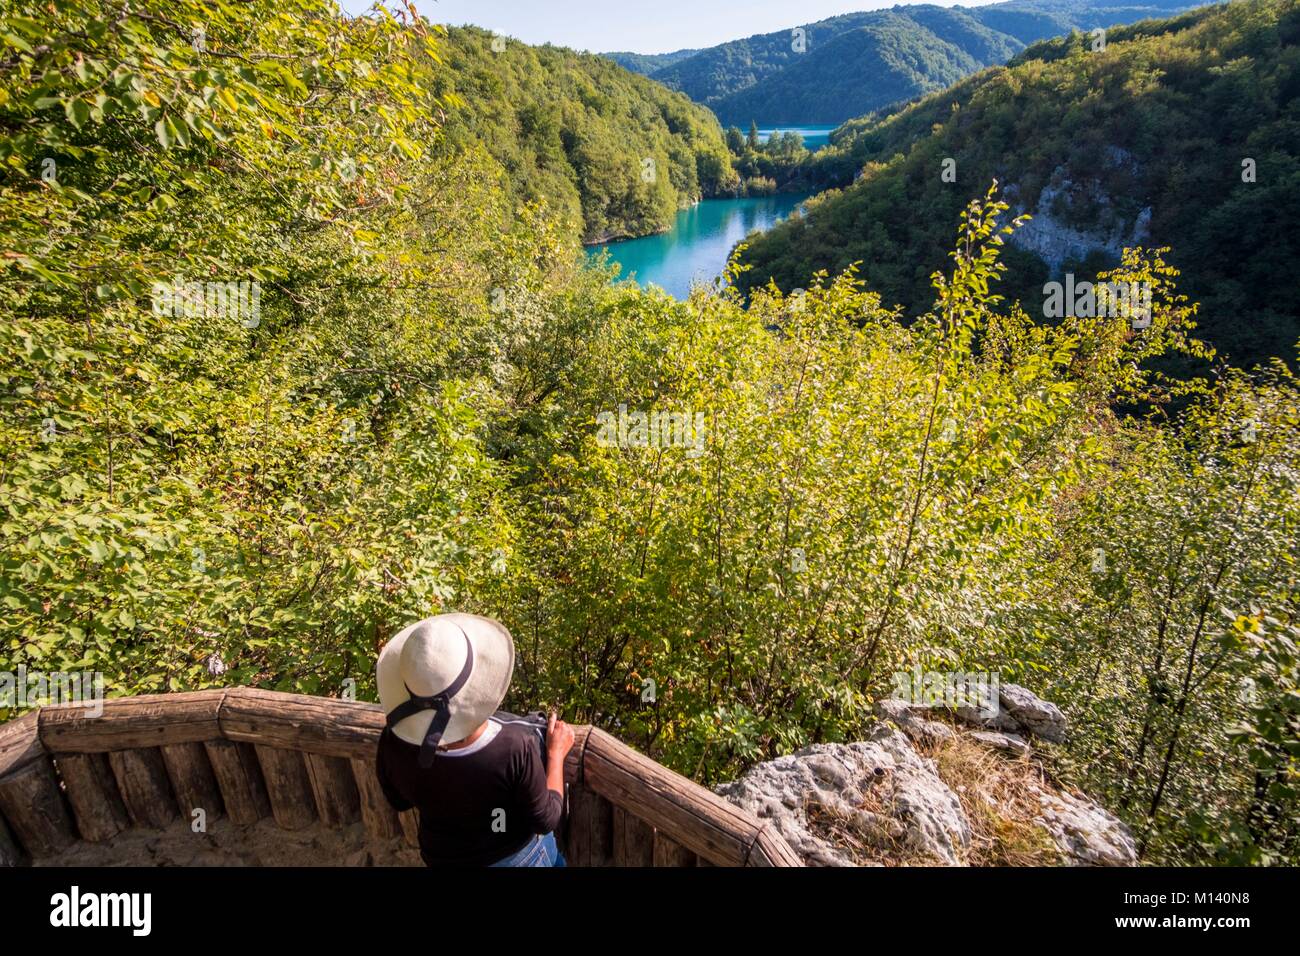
point(881, 788)
point(1087, 834)
point(1020, 712)
point(881, 800)
point(1055, 242)
point(1039, 717)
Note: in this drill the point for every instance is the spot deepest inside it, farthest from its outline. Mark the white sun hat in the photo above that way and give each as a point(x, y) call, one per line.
point(440, 678)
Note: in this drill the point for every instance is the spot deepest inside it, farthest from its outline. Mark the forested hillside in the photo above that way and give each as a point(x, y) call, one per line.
point(849, 65)
point(891, 59)
point(604, 148)
point(1183, 133)
point(647, 63)
point(405, 419)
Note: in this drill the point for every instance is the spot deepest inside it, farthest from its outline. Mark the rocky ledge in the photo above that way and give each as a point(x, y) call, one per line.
point(934, 788)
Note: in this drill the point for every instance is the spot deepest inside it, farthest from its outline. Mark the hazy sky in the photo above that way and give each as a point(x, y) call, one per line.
point(643, 26)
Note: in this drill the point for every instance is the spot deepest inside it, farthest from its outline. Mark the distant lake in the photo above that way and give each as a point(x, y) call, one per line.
point(814, 137)
point(696, 247)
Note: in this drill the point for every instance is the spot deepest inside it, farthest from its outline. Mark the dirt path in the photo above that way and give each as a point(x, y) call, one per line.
point(227, 844)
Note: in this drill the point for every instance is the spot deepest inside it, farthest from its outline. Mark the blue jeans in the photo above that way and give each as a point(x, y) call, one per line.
point(539, 851)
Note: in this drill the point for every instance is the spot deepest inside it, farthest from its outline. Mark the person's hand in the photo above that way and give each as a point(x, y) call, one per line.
point(559, 737)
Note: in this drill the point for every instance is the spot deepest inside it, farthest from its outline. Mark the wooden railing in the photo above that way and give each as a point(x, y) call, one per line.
point(146, 761)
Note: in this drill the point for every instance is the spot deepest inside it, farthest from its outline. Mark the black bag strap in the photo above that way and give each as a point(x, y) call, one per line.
point(535, 720)
point(439, 703)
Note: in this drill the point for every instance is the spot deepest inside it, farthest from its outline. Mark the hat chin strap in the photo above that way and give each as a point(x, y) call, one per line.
point(439, 703)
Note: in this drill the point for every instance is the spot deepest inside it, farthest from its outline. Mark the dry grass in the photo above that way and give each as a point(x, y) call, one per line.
point(997, 791)
point(872, 836)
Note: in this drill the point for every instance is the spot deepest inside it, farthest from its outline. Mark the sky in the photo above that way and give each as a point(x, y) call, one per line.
point(642, 26)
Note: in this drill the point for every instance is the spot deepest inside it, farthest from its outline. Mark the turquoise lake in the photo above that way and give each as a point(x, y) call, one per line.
point(814, 137)
point(695, 249)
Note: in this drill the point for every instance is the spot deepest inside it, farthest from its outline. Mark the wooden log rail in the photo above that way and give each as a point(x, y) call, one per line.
point(247, 754)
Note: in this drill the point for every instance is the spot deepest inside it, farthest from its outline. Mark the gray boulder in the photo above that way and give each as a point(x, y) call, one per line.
point(881, 801)
point(917, 727)
point(1020, 712)
point(1000, 721)
point(1087, 834)
point(881, 790)
point(1011, 743)
point(1038, 716)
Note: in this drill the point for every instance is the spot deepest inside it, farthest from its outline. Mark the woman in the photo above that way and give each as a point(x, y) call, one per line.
point(489, 787)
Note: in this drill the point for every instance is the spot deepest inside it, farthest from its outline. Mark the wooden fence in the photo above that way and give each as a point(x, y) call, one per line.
point(245, 753)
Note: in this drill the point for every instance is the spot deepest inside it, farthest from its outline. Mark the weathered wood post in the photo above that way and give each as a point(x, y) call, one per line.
point(335, 789)
point(239, 778)
point(92, 790)
point(292, 802)
point(376, 812)
point(30, 799)
point(193, 780)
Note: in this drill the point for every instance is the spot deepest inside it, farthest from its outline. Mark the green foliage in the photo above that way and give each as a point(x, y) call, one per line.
point(186, 484)
point(603, 148)
point(1161, 120)
point(780, 164)
point(410, 426)
point(1168, 572)
point(1271, 735)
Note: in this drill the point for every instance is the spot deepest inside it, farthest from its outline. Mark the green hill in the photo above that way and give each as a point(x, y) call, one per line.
point(891, 59)
point(852, 64)
point(647, 63)
point(1143, 143)
point(603, 147)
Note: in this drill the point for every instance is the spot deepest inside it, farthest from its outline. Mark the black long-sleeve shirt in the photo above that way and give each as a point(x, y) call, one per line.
point(477, 804)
